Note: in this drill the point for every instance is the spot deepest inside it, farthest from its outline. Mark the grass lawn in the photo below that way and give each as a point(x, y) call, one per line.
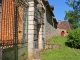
point(63, 53)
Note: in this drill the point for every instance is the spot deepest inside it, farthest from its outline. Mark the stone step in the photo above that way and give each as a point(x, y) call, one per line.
point(34, 59)
point(52, 46)
point(36, 54)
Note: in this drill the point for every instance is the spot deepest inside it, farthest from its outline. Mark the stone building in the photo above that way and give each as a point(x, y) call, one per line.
point(62, 28)
point(50, 23)
point(35, 28)
point(41, 26)
point(25, 25)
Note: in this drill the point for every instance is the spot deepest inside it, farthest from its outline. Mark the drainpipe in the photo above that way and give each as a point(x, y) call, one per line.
point(44, 26)
point(52, 26)
point(16, 29)
point(52, 21)
point(45, 18)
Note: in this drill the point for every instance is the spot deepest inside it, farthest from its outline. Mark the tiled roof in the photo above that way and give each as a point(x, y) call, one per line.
point(64, 25)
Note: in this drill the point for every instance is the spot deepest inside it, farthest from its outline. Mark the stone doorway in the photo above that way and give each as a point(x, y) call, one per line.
point(62, 33)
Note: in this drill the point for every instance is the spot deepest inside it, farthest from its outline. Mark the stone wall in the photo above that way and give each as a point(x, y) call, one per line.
point(31, 30)
point(34, 30)
point(58, 32)
point(49, 25)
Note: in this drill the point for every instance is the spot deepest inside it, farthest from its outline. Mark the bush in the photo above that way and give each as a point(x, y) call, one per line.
point(74, 38)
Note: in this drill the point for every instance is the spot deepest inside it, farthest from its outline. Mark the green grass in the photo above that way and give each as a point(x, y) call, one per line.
point(64, 53)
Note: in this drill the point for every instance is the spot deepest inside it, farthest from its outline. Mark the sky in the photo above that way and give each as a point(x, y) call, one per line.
point(59, 8)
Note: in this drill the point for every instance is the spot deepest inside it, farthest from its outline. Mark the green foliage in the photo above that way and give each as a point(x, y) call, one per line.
point(74, 38)
point(70, 3)
point(73, 15)
point(73, 4)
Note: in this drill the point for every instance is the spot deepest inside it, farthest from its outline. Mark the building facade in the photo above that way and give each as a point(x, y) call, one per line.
point(13, 29)
point(62, 28)
point(25, 25)
point(50, 23)
point(35, 28)
point(41, 26)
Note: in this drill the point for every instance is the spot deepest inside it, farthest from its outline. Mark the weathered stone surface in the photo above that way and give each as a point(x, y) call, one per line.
point(31, 31)
point(49, 25)
point(52, 46)
point(36, 54)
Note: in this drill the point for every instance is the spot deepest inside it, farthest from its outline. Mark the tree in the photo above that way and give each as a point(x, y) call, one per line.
point(72, 15)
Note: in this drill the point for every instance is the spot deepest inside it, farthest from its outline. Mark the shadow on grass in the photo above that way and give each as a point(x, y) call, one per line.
point(70, 45)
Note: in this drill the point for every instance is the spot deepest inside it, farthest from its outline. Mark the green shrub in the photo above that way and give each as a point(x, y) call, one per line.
point(74, 38)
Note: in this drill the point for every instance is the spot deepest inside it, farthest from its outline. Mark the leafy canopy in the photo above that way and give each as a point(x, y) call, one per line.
point(72, 15)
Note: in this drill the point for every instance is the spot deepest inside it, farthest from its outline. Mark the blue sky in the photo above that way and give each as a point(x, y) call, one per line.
point(59, 8)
